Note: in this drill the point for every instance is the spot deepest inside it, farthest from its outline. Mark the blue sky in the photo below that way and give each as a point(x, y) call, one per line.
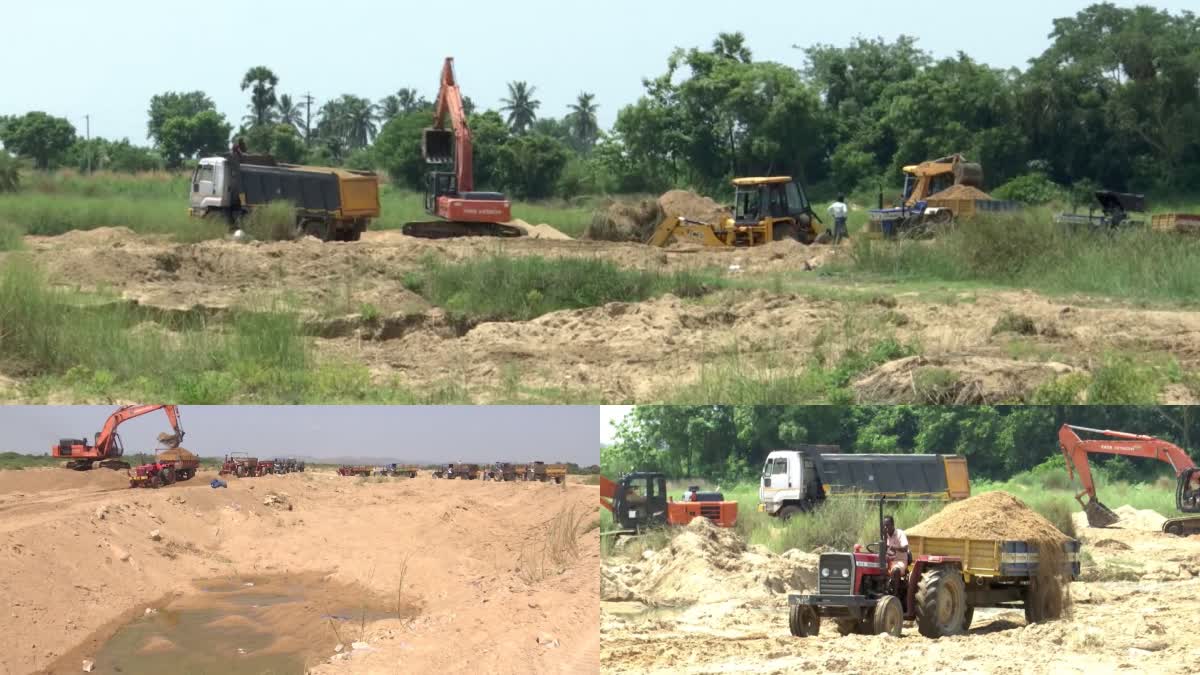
point(107, 59)
point(426, 434)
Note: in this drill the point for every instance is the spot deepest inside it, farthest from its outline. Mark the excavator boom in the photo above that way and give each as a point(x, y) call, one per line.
point(1076, 450)
point(106, 445)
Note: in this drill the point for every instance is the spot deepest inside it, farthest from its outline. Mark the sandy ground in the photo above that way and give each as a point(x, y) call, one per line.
point(1142, 623)
point(620, 352)
point(77, 555)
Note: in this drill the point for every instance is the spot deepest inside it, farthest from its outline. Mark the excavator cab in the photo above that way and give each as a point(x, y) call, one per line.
point(640, 501)
point(437, 184)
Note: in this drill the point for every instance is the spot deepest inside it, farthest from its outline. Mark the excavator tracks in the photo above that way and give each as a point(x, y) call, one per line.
point(445, 229)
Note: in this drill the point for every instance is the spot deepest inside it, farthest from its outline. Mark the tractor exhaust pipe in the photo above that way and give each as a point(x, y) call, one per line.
point(883, 566)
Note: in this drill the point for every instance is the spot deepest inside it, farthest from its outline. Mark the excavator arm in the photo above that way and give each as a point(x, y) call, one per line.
point(441, 145)
point(106, 438)
point(608, 491)
point(1076, 450)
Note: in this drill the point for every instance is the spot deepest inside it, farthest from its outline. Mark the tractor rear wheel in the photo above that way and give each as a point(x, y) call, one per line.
point(968, 615)
point(941, 602)
point(889, 617)
point(803, 621)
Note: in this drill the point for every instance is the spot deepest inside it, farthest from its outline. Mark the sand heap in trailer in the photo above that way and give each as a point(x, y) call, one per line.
point(706, 563)
point(991, 515)
point(636, 220)
point(961, 192)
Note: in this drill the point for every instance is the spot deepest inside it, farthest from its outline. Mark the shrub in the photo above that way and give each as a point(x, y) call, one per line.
point(274, 221)
point(1033, 188)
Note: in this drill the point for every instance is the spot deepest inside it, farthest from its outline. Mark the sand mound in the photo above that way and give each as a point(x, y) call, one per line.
point(99, 236)
point(991, 515)
point(540, 231)
point(625, 221)
point(690, 205)
point(960, 192)
point(958, 380)
point(705, 563)
point(1139, 519)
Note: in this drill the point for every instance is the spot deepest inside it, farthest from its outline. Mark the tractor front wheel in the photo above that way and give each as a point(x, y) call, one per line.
point(889, 617)
point(803, 621)
point(941, 602)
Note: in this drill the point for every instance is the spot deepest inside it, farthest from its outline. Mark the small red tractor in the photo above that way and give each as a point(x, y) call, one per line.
point(239, 464)
point(153, 475)
point(266, 467)
point(858, 593)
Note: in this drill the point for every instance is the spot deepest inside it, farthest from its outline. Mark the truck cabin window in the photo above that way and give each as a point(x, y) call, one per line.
point(204, 172)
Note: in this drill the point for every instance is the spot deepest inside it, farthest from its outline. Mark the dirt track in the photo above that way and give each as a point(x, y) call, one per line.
point(1145, 623)
point(77, 555)
point(622, 352)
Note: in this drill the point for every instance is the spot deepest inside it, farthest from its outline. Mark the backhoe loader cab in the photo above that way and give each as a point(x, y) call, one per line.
point(765, 209)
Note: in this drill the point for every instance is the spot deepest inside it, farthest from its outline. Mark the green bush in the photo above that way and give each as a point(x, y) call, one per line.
point(10, 173)
point(1034, 189)
point(273, 221)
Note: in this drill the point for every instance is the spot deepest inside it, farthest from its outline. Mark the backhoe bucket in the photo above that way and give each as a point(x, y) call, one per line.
point(1099, 515)
point(969, 173)
point(437, 146)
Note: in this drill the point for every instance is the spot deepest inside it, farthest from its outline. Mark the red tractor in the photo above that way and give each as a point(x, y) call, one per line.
point(856, 591)
point(239, 464)
point(153, 475)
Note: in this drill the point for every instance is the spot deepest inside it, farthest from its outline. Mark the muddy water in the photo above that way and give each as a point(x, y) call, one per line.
point(235, 626)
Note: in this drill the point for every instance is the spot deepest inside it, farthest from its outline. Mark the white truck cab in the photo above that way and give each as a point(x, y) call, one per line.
point(786, 484)
point(210, 186)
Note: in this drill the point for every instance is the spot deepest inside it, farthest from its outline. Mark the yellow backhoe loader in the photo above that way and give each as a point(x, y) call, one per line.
point(765, 209)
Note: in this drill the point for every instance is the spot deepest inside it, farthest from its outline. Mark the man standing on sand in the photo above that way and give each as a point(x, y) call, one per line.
point(838, 210)
point(897, 550)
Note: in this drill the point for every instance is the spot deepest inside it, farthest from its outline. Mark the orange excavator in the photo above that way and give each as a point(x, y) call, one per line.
point(1187, 489)
point(451, 195)
point(639, 500)
point(107, 447)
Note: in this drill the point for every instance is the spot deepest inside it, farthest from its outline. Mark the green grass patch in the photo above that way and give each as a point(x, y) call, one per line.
point(11, 237)
point(273, 221)
point(16, 460)
point(500, 288)
point(1028, 250)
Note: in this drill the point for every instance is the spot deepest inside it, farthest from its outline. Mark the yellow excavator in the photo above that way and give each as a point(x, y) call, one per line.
point(765, 209)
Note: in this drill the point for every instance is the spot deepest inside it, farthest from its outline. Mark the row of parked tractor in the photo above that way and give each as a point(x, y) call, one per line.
point(242, 465)
point(500, 471)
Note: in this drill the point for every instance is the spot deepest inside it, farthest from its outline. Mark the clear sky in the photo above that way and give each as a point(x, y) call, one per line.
point(610, 415)
point(425, 434)
point(107, 59)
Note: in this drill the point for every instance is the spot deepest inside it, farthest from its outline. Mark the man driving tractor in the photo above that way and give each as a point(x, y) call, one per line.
point(897, 550)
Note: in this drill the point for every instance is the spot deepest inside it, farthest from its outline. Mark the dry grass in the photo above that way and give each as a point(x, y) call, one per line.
point(560, 547)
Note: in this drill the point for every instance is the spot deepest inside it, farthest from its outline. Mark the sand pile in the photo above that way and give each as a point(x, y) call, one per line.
point(636, 220)
point(177, 455)
point(705, 563)
point(1139, 519)
point(991, 515)
point(951, 379)
point(540, 231)
point(960, 192)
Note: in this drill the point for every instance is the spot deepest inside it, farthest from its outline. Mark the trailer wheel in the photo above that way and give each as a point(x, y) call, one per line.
point(803, 621)
point(941, 602)
point(889, 618)
point(1043, 600)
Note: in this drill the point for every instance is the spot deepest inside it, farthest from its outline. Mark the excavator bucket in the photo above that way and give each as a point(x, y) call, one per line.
point(1099, 515)
point(968, 173)
point(169, 440)
point(437, 146)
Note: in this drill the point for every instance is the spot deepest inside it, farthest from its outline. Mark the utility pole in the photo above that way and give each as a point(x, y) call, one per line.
point(308, 101)
point(87, 120)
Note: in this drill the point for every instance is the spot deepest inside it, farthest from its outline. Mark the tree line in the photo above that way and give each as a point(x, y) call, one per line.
point(1113, 101)
point(730, 443)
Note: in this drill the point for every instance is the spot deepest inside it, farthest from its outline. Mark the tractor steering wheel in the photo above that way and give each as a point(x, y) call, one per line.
point(872, 546)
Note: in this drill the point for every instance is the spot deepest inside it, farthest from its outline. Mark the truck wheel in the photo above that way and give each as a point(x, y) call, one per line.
point(940, 601)
point(1043, 601)
point(803, 621)
point(788, 511)
point(889, 618)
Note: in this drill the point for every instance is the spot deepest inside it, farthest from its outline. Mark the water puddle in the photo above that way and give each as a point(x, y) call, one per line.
point(236, 626)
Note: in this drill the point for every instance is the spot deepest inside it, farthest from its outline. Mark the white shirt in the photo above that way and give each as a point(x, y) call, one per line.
point(897, 540)
point(838, 209)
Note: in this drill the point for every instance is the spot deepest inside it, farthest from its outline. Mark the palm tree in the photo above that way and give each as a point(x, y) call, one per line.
point(358, 120)
point(405, 100)
point(582, 119)
point(732, 46)
point(289, 113)
point(520, 106)
point(262, 96)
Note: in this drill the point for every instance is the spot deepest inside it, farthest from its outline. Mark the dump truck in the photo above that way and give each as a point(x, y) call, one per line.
point(543, 472)
point(501, 471)
point(798, 480)
point(943, 583)
point(936, 192)
point(1115, 210)
point(766, 209)
point(239, 464)
point(639, 500)
point(331, 204)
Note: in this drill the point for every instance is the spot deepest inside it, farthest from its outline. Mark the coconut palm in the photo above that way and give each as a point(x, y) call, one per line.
point(405, 100)
point(732, 46)
point(261, 81)
point(359, 121)
point(582, 119)
point(289, 113)
point(520, 106)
